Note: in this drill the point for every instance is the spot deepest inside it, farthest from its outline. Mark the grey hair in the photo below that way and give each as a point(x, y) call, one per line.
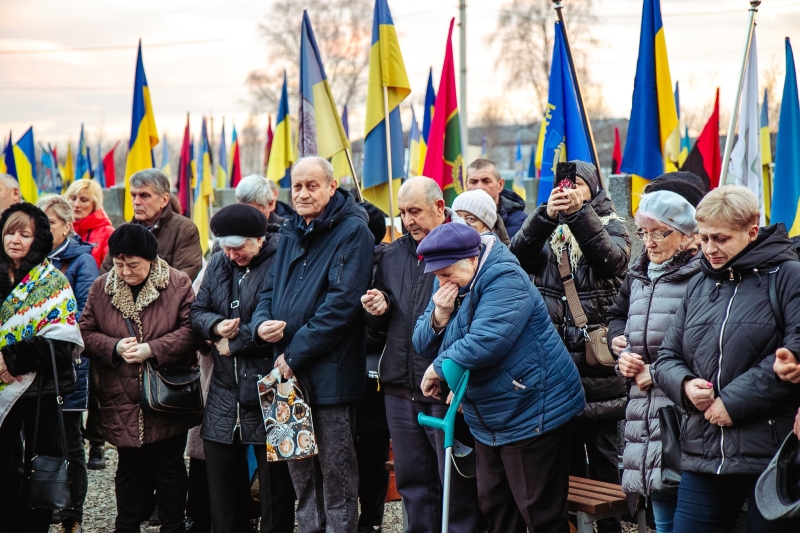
point(234, 241)
point(429, 188)
point(254, 189)
point(9, 181)
point(324, 166)
point(153, 177)
point(59, 205)
point(273, 187)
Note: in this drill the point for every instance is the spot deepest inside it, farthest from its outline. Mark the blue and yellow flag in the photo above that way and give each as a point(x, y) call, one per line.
point(203, 190)
point(427, 117)
point(82, 170)
point(653, 144)
point(563, 135)
point(386, 71)
point(68, 172)
point(766, 156)
point(282, 154)
point(25, 165)
point(7, 158)
point(414, 141)
point(222, 162)
point(786, 192)
point(144, 135)
point(100, 173)
point(320, 130)
point(341, 166)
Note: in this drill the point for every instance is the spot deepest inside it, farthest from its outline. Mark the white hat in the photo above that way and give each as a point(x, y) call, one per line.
point(671, 209)
point(479, 203)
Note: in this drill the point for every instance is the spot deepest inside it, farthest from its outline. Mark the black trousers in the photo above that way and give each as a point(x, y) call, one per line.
point(596, 441)
point(372, 452)
point(229, 489)
point(158, 466)
point(14, 510)
point(77, 464)
point(528, 477)
point(198, 506)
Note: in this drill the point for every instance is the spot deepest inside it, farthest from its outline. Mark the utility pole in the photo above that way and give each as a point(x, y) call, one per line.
point(462, 97)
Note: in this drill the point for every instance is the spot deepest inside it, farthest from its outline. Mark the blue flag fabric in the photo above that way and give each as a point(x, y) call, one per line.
point(786, 190)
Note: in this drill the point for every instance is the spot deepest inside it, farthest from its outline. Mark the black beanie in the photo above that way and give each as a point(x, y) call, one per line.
point(377, 221)
point(686, 176)
point(133, 239)
point(239, 220)
point(588, 173)
point(685, 188)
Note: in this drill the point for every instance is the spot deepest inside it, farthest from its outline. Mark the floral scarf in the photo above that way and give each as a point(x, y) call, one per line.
point(42, 304)
point(562, 236)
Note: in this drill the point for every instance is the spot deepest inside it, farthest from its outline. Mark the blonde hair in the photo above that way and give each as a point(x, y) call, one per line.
point(730, 205)
point(91, 186)
point(59, 205)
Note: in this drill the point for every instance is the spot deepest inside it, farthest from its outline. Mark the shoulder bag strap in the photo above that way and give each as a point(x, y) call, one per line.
point(38, 410)
point(571, 293)
point(59, 401)
point(235, 292)
point(130, 329)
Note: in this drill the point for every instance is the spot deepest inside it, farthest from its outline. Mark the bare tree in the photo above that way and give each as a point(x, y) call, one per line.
point(525, 36)
point(343, 30)
point(252, 147)
point(769, 81)
point(492, 115)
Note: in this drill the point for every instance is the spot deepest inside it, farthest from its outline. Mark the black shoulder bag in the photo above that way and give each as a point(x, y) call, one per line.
point(49, 480)
point(169, 390)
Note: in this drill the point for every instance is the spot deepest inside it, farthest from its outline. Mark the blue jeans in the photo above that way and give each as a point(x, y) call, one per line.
point(664, 504)
point(711, 503)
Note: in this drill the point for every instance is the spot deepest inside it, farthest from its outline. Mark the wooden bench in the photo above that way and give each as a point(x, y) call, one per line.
point(595, 500)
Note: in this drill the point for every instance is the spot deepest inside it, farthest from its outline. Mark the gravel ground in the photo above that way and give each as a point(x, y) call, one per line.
point(100, 507)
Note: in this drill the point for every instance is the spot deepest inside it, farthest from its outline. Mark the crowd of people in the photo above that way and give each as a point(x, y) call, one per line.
point(704, 322)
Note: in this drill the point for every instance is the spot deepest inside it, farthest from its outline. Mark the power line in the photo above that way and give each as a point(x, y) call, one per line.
point(104, 48)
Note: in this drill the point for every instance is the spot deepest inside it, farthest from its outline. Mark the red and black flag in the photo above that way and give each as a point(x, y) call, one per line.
point(705, 159)
point(616, 156)
point(185, 173)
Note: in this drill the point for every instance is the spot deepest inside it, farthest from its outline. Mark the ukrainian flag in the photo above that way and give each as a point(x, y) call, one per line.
point(25, 163)
point(203, 190)
point(341, 165)
point(320, 130)
point(414, 142)
point(68, 172)
point(144, 135)
point(786, 203)
point(653, 145)
point(386, 69)
point(222, 162)
point(82, 169)
point(282, 154)
point(7, 159)
point(766, 155)
point(427, 117)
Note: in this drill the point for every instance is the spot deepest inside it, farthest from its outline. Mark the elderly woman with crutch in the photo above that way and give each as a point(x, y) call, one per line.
point(523, 387)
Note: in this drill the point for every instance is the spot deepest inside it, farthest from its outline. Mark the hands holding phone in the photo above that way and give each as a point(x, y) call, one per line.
point(567, 201)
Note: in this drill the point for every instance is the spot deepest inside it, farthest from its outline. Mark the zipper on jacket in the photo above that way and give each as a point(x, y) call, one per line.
point(411, 323)
point(380, 359)
point(238, 418)
point(719, 367)
point(480, 419)
point(650, 390)
point(341, 267)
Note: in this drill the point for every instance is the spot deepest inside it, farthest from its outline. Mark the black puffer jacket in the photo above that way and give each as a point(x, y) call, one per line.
point(601, 268)
point(401, 277)
point(232, 401)
point(726, 332)
point(511, 209)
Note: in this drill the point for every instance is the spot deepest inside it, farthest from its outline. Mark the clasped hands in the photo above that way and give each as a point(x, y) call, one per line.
point(132, 352)
point(632, 366)
point(227, 329)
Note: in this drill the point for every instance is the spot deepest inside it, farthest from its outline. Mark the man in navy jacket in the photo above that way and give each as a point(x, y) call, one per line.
point(310, 312)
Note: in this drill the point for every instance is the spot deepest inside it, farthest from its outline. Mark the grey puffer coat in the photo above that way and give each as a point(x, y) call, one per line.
point(650, 307)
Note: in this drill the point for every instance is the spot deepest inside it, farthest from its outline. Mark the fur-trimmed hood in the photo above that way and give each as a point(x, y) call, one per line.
point(40, 249)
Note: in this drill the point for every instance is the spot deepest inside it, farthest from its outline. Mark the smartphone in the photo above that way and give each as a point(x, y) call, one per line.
point(565, 176)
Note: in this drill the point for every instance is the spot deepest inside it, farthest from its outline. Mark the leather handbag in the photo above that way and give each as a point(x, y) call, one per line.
point(596, 336)
point(49, 479)
point(169, 390)
point(669, 423)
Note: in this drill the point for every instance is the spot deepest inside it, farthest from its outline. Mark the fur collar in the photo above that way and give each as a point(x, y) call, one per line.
point(122, 297)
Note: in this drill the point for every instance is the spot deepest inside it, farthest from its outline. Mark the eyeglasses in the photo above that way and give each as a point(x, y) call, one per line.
point(655, 236)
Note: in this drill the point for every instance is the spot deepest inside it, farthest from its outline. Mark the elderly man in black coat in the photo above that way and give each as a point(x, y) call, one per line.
point(310, 312)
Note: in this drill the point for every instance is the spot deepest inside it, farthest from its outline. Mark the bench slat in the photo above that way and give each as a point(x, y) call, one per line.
point(598, 484)
point(586, 505)
point(593, 495)
point(614, 493)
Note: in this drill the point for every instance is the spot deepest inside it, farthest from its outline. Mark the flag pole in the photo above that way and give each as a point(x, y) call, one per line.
point(557, 6)
point(389, 159)
point(726, 157)
point(353, 171)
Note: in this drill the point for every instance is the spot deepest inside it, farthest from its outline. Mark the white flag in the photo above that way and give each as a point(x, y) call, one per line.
point(745, 165)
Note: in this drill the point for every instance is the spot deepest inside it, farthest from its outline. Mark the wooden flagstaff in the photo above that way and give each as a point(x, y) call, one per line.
point(748, 42)
point(586, 124)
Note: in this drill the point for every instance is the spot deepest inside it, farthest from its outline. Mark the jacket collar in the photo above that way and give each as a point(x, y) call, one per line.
point(163, 218)
point(682, 264)
point(771, 248)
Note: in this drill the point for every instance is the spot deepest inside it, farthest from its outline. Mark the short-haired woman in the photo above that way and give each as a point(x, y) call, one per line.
point(91, 221)
point(637, 322)
point(38, 308)
point(144, 294)
point(74, 259)
point(716, 361)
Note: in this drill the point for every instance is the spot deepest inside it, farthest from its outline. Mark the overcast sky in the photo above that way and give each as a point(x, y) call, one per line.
point(57, 90)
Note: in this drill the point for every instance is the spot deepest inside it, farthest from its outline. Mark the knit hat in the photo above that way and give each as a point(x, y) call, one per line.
point(685, 188)
point(377, 221)
point(479, 203)
point(448, 244)
point(239, 220)
point(133, 239)
point(671, 209)
point(588, 173)
point(686, 176)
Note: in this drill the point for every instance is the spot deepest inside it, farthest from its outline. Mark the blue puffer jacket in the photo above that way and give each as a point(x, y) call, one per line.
point(81, 271)
point(523, 382)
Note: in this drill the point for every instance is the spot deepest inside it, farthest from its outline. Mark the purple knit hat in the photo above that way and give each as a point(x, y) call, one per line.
point(448, 244)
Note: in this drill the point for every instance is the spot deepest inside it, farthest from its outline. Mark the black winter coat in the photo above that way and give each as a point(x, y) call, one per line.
point(601, 268)
point(407, 288)
point(511, 210)
point(315, 285)
point(726, 332)
point(232, 403)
